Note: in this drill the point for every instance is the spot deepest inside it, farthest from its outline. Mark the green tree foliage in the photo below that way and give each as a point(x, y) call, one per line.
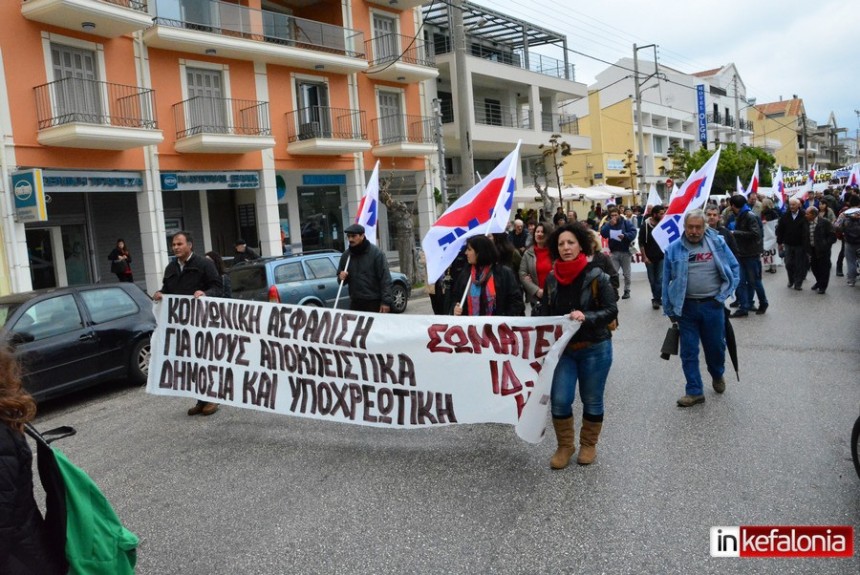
point(734, 163)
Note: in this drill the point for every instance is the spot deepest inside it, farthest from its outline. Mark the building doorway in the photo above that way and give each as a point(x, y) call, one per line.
point(320, 214)
point(58, 256)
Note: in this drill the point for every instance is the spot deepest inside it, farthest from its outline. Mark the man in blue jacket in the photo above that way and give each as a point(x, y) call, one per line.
point(620, 234)
point(699, 273)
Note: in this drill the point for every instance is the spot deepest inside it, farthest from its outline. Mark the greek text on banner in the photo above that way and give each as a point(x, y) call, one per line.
point(382, 370)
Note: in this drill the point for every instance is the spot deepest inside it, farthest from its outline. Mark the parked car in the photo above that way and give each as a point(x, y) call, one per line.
point(309, 278)
point(69, 338)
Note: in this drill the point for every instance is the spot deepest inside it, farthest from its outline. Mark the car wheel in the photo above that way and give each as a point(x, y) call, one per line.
point(138, 368)
point(399, 297)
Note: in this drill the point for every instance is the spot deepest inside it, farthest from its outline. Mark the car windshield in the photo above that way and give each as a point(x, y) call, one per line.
point(7, 310)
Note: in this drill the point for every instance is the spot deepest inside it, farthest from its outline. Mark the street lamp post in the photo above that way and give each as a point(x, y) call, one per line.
point(638, 95)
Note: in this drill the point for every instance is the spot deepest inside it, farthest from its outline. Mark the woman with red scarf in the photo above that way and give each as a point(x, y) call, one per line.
point(536, 265)
point(579, 289)
point(493, 288)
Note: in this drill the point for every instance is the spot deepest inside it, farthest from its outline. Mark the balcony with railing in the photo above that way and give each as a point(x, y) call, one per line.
point(399, 135)
point(399, 4)
point(721, 120)
point(326, 131)
point(233, 31)
point(746, 125)
point(79, 113)
point(222, 126)
point(559, 123)
point(537, 63)
point(107, 18)
point(491, 114)
point(398, 58)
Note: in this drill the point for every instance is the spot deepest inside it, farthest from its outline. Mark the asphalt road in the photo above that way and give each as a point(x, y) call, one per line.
point(245, 492)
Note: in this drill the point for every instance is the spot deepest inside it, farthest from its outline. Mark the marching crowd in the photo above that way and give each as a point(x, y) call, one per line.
point(564, 266)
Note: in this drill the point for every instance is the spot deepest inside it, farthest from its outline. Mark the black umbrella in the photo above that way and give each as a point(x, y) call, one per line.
point(732, 344)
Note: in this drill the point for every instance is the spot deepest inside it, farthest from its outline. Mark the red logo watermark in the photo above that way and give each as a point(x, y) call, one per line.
point(783, 541)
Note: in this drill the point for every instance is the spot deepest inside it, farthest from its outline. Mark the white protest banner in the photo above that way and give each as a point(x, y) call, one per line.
point(381, 370)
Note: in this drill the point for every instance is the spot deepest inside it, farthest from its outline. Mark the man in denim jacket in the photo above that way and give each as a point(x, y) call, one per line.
point(699, 273)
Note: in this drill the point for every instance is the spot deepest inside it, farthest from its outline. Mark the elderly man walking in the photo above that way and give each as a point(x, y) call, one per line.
point(791, 230)
point(699, 273)
point(364, 268)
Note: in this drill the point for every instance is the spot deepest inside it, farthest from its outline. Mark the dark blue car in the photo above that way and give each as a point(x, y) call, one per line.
point(72, 337)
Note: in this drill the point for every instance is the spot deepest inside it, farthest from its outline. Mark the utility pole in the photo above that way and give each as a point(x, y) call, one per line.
point(737, 115)
point(805, 143)
point(440, 148)
point(464, 96)
point(857, 149)
point(640, 170)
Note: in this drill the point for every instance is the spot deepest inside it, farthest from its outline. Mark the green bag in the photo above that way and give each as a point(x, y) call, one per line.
point(96, 542)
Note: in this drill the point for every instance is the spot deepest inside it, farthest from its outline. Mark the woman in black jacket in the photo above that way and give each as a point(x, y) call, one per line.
point(493, 288)
point(579, 289)
point(120, 262)
point(23, 545)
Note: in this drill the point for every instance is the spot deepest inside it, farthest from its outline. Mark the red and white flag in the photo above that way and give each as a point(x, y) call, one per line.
point(484, 209)
point(368, 209)
point(753, 187)
point(739, 187)
point(853, 180)
point(692, 195)
point(653, 199)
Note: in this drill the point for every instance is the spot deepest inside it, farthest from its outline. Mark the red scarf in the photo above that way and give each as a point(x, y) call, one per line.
point(566, 272)
point(543, 264)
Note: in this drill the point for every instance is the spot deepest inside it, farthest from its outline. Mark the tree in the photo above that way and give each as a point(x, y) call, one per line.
point(400, 215)
point(556, 147)
point(734, 164)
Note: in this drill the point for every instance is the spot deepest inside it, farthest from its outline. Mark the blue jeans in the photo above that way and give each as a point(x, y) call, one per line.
point(655, 278)
point(703, 321)
point(750, 283)
point(589, 366)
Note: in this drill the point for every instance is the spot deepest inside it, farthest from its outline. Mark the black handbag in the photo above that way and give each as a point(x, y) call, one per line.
point(118, 267)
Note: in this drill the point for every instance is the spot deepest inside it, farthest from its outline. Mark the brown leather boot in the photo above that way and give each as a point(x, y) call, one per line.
point(588, 442)
point(565, 434)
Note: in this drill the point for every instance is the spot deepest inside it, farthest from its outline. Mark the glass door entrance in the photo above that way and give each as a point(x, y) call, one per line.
point(320, 214)
point(58, 256)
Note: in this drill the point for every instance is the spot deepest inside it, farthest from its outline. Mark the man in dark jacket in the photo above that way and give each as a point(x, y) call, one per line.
point(364, 268)
point(195, 275)
point(653, 254)
point(747, 230)
point(818, 241)
point(244, 253)
point(790, 231)
point(620, 234)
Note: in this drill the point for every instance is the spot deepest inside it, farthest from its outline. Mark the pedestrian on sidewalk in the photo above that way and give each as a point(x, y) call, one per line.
point(579, 289)
point(699, 273)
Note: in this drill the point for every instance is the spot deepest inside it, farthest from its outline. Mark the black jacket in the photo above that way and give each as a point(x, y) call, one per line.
point(246, 256)
point(509, 294)
point(790, 231)
point(648, 244)
point(748, 234)
point(730, 239)
point(199, 273)
point(369, 277)
point(23, 546)
point(598, 314)
point(824, 237)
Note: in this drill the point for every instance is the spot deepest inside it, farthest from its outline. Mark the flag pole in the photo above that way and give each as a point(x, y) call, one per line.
point(340, 287)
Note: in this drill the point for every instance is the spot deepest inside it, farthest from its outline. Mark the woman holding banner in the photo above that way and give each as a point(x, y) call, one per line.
point(579, 289)
point(486, 287)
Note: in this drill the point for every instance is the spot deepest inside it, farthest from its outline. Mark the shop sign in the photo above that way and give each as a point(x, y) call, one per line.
point(63, 181)
point(29, 196)
point(703, 117)
point(182, 181)
point(615, 164)
point(323, 179)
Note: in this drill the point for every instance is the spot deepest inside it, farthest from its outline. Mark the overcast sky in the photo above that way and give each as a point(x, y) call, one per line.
point(780, 48)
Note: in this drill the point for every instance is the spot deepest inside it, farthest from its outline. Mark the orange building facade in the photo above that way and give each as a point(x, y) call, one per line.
point(259, 119)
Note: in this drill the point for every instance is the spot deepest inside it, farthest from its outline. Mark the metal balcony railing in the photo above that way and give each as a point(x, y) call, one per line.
point(559, 123)
point(537, 63)
point(326, 122)
point(260, 25)
point(447, 109)
point(139, 5)
point(721, 119)
point(390, 47)
point(746, 125)
point(491, 114)
point(400, 129)
point(203, 115)
point(93, 102)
